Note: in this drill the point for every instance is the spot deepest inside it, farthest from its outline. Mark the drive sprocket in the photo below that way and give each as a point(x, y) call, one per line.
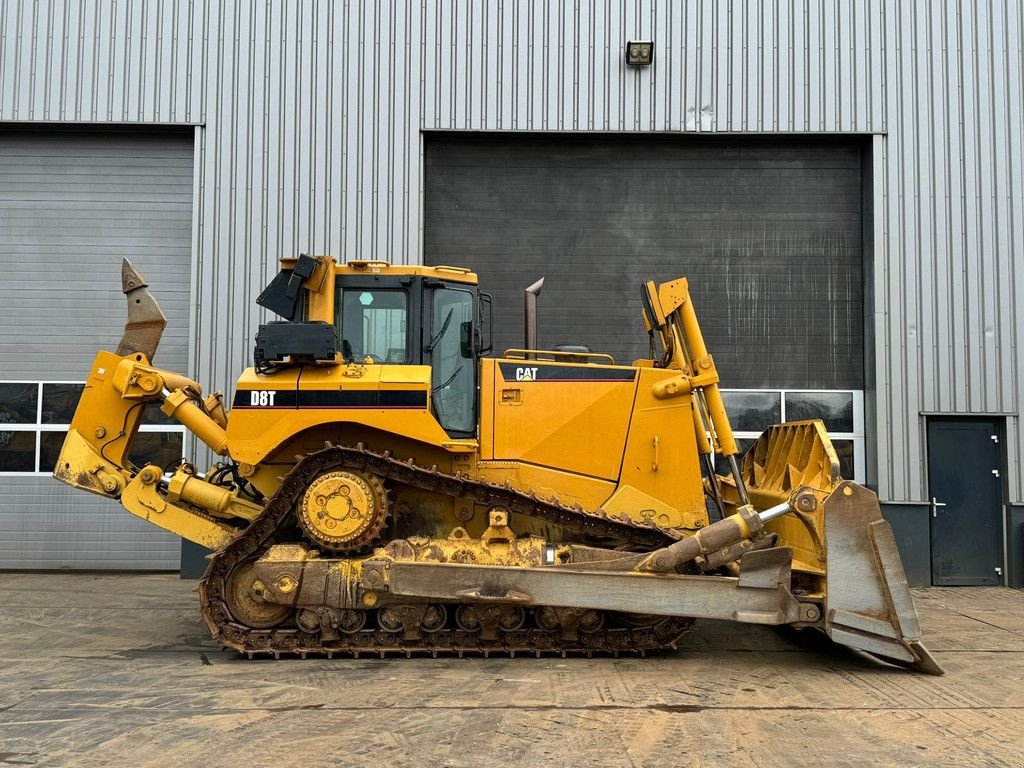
point(343, 510)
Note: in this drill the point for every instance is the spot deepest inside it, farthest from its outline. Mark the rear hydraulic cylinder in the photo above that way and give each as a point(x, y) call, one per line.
point(182, 408)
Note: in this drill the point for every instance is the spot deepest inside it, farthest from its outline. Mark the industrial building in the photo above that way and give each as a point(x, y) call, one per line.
point(842, 183)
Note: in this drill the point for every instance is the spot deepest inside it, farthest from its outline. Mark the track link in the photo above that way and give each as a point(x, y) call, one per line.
point(276, 642)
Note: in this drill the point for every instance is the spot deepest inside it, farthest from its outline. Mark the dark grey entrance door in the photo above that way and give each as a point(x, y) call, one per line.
point(964, 468)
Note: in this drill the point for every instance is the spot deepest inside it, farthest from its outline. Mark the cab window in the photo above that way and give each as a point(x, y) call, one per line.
point(374, 323)
point(453, 370)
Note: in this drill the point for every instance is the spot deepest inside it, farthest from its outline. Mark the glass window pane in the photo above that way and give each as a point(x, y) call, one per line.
point(722, 465)
point(18, 403)
point(373, 323)
point(753, 411)
point(60, 401)
point(452, 375)
point(160, 448)
point(844, 449)
point(834, 408)
point(50, 444)
point(17, 451)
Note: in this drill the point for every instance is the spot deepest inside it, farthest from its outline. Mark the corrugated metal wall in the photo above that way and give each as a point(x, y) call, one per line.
point(313, 112)
point(72, 204)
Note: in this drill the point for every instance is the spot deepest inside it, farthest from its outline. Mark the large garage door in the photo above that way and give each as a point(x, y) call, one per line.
point(768, 231)
point(72, 204)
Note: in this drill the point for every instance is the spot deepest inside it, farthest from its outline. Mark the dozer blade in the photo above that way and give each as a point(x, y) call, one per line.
point(869, 605)
point(842, 540)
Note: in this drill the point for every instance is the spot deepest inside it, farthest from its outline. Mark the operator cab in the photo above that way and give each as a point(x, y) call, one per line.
point(417, 320)
point(391, 315)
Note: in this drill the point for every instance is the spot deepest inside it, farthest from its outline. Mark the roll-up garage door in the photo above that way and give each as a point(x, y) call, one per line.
point(72, 204)
point(768, 231)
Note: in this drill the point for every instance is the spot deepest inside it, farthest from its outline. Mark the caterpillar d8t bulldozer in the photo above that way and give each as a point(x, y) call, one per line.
point(383, 486)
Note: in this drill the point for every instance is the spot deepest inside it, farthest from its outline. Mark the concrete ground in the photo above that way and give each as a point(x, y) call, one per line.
point(118, 670)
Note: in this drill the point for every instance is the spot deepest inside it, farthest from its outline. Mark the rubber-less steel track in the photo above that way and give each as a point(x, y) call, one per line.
point(529, 638)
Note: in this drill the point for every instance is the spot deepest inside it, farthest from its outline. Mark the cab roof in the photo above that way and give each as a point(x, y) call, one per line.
point(358, 267)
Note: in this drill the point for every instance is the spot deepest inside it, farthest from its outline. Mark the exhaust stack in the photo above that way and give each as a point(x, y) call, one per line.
point(531, 313)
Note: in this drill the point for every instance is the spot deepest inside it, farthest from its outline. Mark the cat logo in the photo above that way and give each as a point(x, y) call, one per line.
point(526, 374)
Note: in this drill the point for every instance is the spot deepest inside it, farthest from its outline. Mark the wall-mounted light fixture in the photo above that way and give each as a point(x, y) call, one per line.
point(639, 53)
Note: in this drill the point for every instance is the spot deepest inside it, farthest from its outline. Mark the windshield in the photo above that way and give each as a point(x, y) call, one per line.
point(372, 323)
point(451, 360)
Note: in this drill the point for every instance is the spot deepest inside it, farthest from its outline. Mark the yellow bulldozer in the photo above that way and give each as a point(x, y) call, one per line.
point(383, 486)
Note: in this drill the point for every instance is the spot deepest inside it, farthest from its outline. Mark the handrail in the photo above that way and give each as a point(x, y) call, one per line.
point(555, 354)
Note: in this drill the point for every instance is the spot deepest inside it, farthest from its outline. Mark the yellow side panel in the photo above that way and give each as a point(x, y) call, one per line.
point(400, 374)
point(389, 398)
point(487, 373)
point(368, 376)
point(567, 416)
point(642, 506)
point(661, 454)
point(547, 483)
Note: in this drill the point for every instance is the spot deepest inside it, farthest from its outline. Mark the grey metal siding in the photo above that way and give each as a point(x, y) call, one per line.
point(949, 270)
point(313, 113)
point(767, 230)
point(47, 525)
point(72, 204)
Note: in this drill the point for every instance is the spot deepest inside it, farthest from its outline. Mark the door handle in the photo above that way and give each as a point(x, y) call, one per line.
point(935, 506)
point(511, 396)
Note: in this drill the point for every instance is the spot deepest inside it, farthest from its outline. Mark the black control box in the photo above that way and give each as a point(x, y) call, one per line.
point(304, 342)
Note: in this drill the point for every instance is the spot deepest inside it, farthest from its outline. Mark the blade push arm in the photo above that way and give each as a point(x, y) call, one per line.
point(669, 311)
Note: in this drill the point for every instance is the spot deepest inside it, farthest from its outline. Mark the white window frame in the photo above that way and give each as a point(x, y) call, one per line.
point(857, 436)
point(38, 428)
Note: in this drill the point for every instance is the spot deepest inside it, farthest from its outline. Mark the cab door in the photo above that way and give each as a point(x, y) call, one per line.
point(449, 349)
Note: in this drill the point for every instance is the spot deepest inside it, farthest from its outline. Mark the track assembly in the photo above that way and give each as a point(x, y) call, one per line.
point(232, 608)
